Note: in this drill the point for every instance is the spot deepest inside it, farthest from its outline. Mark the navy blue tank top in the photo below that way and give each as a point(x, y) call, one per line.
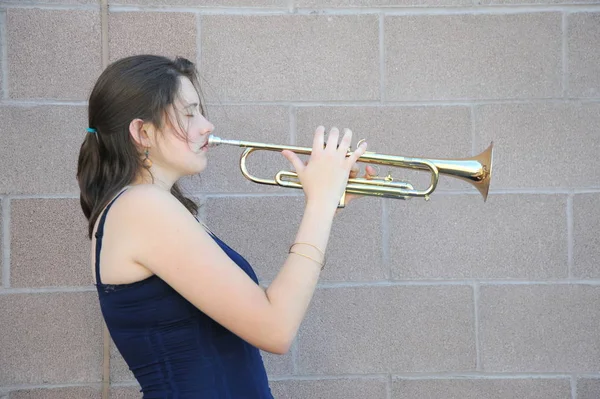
point(174, 350)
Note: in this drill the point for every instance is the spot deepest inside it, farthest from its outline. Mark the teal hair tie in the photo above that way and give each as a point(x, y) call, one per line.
point(91, 130)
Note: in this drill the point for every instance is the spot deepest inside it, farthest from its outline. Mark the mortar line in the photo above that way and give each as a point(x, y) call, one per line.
point(385, 239)
point(293, 125)
point(396, 11)
point(45, 6)
point(445, 283)
point(573, 387)
point(294, 351)
point(457, 10)
point(44, 196)
point(481, 375)
point(587, 375)
point(570, 239)
point(479, 365)
point(265, 11)
point(459, 102)
point(199, 41)
point(547, 191)
point(422, 376)
point(450, 282)
point(125, 384)
point(322, 377)
point(202, 210)
point(46, 290)
point(382, 54)
point(6, 237)
point(565, 44)
point(473, 130)
point(18, 387)
point(104, 32)
point(308, 377)
point(41, 102)
point(237, 11)
point(4, 47)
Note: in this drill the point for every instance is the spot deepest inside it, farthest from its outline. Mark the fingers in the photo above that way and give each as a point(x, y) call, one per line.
point(294, 160)
point(332, 139)
point(354, 171)
point(358, 153)
point(370, 172)
point(345, 142)
point(319, 140)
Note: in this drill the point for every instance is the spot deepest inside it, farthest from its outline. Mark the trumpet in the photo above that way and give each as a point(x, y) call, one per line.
point(476, 170)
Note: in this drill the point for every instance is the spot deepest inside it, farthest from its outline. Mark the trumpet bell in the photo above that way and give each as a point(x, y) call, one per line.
point(476, 170)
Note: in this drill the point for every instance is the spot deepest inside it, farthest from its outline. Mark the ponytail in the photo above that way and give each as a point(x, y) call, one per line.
point(87, 174)
point(98, 180)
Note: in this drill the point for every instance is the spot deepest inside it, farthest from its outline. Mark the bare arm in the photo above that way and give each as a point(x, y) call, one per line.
point(173, 245)
point(291, 291)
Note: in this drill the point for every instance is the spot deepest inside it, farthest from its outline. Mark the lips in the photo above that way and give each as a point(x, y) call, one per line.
point(200, 147)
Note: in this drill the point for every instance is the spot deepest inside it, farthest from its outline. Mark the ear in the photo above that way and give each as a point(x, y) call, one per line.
point(140, 132)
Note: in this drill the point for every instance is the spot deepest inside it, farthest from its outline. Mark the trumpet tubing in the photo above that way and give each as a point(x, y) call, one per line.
point(476, 170)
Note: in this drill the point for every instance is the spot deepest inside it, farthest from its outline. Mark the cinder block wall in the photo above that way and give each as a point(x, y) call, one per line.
point(451, 298)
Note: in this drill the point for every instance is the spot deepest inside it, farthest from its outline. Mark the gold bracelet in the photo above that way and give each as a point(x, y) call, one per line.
point(308, 257)
point(305, 243)
point(315, 247)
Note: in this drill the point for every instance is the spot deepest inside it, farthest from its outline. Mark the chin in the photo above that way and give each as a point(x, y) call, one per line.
point(199, 167)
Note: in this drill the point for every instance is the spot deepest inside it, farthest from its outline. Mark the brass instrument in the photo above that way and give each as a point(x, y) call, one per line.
point(476, 170)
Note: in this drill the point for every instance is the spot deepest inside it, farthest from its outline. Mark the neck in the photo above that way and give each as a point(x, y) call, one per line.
point(157, 177)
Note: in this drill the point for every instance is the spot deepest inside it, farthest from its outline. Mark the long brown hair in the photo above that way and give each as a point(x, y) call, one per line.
point(140, 86)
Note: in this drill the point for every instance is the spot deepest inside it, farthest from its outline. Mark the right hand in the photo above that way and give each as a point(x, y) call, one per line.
point(325, 176)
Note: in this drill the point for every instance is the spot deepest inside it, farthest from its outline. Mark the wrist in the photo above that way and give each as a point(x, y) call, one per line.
point(321, 208)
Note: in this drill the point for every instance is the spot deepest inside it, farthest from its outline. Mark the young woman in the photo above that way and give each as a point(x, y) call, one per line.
point(184, 309)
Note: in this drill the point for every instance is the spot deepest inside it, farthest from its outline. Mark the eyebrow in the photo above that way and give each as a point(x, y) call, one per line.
point(191, 105)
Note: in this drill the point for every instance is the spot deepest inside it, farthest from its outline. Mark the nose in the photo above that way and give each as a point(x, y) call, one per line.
point(206, 126)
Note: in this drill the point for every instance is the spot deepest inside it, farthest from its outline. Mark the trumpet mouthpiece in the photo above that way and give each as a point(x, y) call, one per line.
point(214, 141)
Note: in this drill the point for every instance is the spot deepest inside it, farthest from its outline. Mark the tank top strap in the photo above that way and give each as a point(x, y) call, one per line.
point(100, 233)
point(205, 227)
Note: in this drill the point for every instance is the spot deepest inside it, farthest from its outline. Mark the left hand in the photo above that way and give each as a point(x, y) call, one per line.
point(370, 173)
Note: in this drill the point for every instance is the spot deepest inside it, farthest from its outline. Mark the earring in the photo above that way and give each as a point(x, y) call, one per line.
point(147, 161)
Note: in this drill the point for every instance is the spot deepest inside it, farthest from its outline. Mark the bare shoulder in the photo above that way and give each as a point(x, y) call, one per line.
point(143, 205)
point(127, 233)
point(152, 218)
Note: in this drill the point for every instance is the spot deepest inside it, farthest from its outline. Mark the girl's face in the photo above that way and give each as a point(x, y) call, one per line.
point(183, 145)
